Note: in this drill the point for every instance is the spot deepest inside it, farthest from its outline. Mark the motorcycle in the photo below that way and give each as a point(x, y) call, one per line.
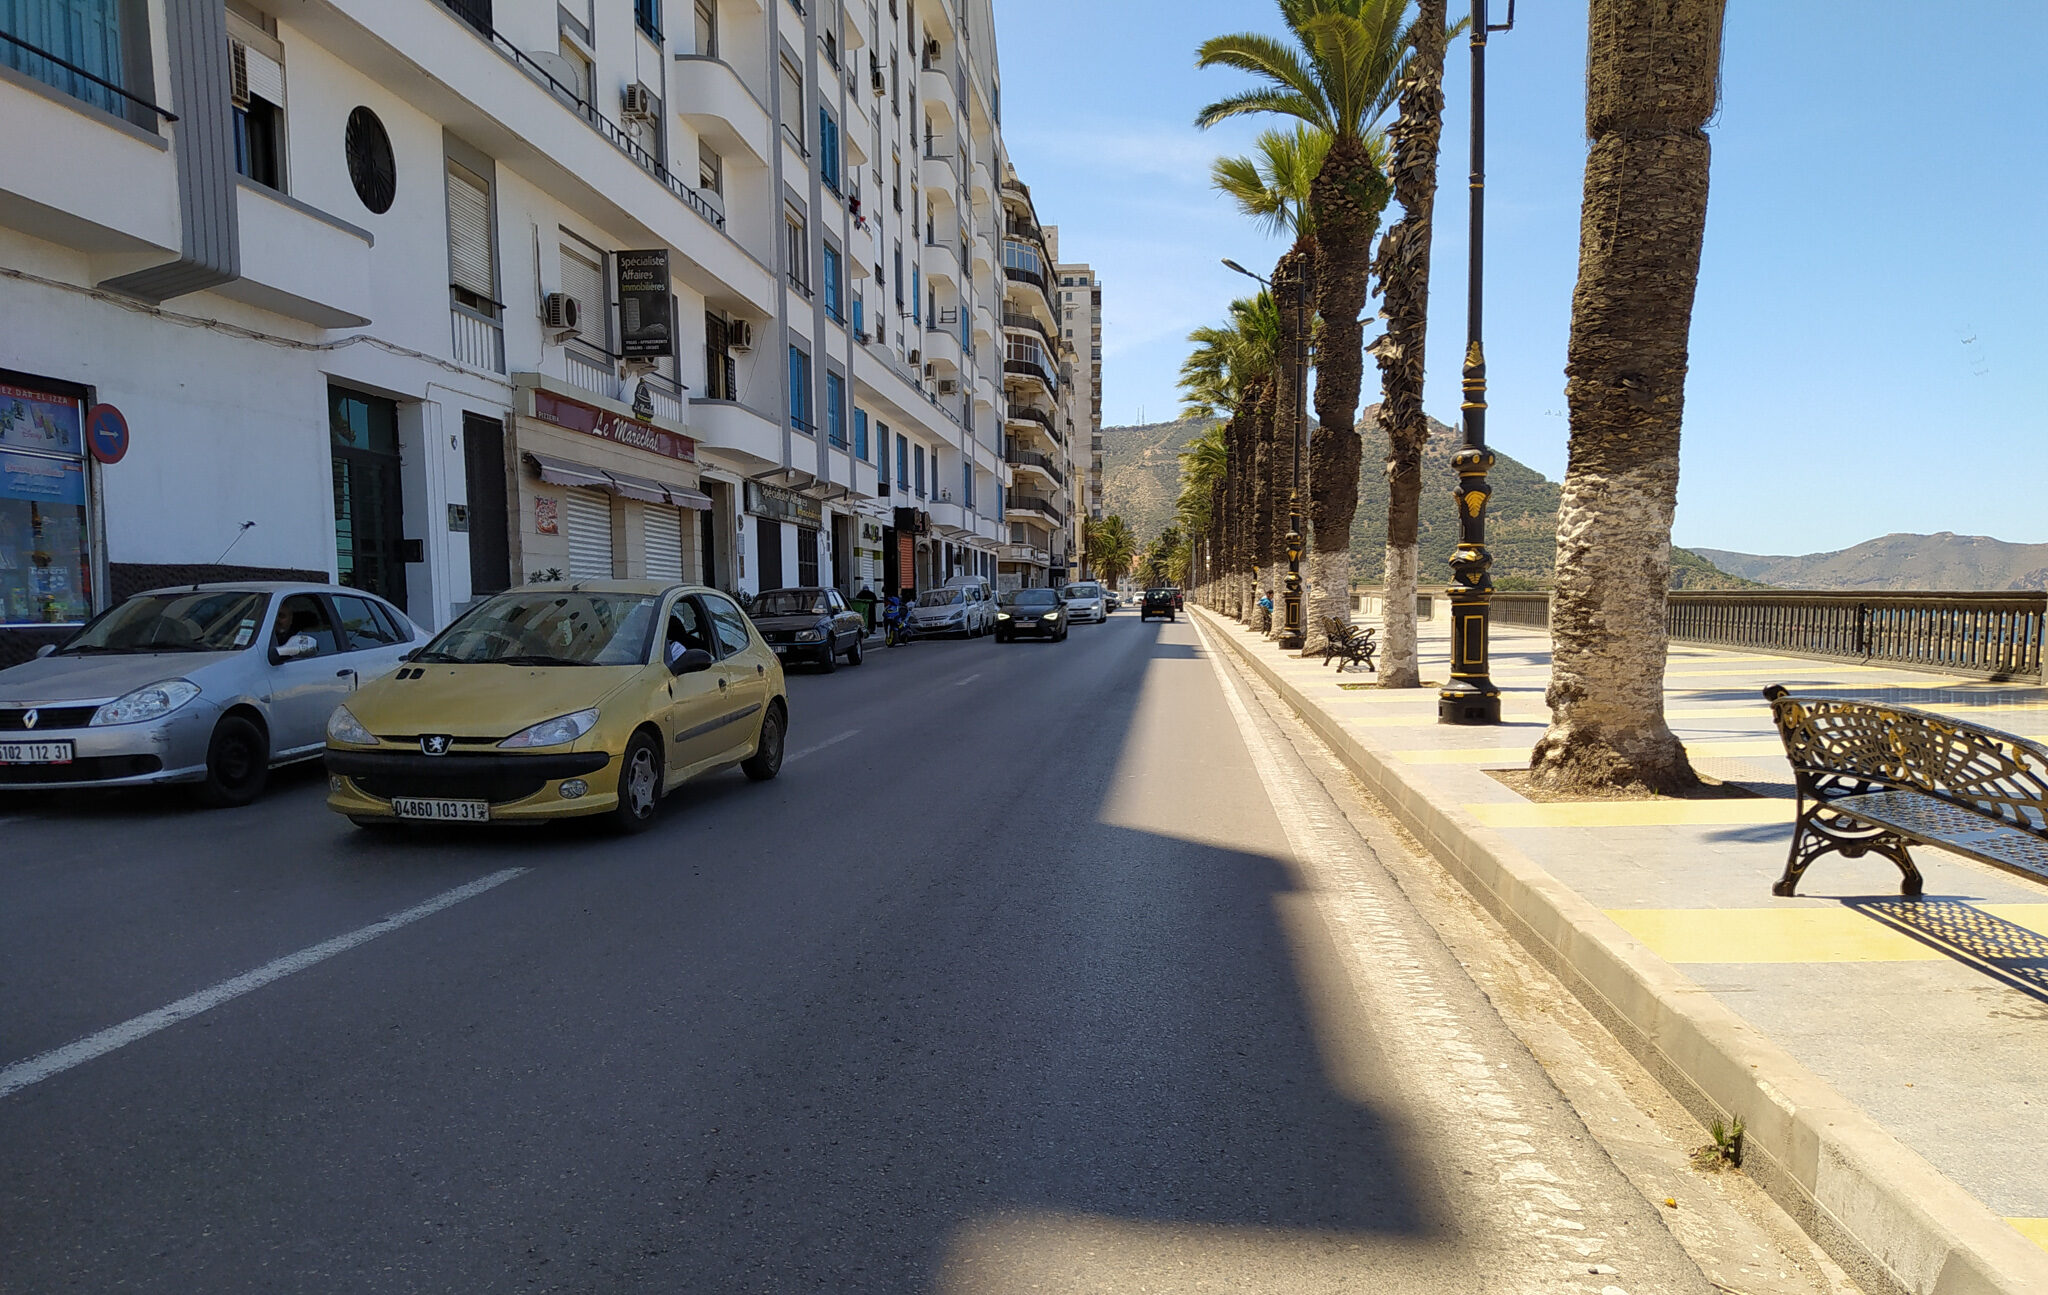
point(896, 625)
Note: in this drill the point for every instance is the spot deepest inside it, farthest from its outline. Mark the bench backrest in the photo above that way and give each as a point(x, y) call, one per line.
point(1992, 774)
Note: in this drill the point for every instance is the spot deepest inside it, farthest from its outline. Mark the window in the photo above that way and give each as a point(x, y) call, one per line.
point(472, 259)
point(728, 622)
point(835, 413)
point(584, 278)
point(256, 88)
point(647, 13)
point(686, 628)
point(303, 614)
point(896, 185)
point(579, 72)
point(721, 375)
point(806, 556)
point(895, 91)
point(45, 536)
point(917, 294)
point(903, 463)
point(859, 315)
point(860, 435)
point(793, 101)
point(707, 28)
point(96, 35)
point(363, 626)
point(799, 248)
point(800, 391)
point(710, 169)
point(967, 484)
point(831, 48)
point(833, 292)
point(899, 275)
point(828, 149)
point(919, 452)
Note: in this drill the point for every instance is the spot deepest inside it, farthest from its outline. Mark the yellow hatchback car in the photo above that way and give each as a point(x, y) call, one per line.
point(554, 701)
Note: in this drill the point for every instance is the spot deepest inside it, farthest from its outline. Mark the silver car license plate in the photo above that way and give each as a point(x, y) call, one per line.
point(35, 753)
point(443, 811)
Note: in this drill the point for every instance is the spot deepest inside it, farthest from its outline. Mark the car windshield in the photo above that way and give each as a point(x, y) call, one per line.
point(1082, 591)
point(791, 602)
point(1030, 598)
point(940, 598)
point(535, 628)
point(198, 620)
point(1159, 594)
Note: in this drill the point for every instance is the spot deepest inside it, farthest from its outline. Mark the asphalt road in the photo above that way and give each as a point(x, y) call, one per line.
point(1015, 980)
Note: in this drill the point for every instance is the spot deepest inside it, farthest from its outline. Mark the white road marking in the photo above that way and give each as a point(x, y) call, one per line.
point(1416, 1021)
point(817, 747)
point(55, 1062)
point(962, 683)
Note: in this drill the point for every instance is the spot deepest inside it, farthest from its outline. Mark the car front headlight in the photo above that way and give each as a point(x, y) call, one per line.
point(810, 636)
point(153, 702)
point(344, 727)
point(553, 732)
point(1002, 616)
point(1052, 616)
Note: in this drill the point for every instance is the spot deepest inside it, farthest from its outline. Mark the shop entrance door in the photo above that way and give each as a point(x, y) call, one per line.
point(369, 499)
point(490, 520)
point(768, 541)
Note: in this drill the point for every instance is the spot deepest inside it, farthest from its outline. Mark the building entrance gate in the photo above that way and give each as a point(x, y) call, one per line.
point(369, 499)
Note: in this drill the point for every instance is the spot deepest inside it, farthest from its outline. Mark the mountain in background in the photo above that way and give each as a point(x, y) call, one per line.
point(1944, 562)
point(1141, 480)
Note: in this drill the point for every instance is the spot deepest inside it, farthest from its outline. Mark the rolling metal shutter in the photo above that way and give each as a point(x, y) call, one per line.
point(469, 234)
point(664, 536)
point(588, 514)
point(583, 278)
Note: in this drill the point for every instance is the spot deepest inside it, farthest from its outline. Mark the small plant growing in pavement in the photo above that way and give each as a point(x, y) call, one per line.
point(549, 576)
point(1724, 1152)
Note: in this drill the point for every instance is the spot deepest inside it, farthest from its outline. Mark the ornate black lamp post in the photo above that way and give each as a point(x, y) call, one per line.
point(1293, 630)
point(1470, 697)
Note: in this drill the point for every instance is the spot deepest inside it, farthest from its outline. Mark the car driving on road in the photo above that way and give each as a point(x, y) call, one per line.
point(557, 701)
point(1157, 602)
point(1036, 612)
point(212, 685)
point(1084, 600)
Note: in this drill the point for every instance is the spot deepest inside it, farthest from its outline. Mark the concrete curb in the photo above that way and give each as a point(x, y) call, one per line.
point(1892, 1220)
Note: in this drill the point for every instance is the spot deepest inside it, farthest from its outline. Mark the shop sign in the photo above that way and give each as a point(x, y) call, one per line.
point(646, 331)
point(592, 421)
point(546, 515)
point(42, 481)
point(784, 505)
point(39, 421)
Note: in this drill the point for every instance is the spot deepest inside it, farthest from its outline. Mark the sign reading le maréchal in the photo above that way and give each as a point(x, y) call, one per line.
point(646, 331)
point(579, 417)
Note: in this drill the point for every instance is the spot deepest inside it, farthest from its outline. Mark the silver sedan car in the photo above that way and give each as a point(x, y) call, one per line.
point(212, 685)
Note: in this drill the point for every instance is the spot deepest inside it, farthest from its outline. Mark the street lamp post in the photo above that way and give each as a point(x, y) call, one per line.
point(1293, 630)
point(1471, 697)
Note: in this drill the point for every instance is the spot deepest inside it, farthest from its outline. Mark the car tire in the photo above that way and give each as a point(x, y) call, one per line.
point(766, 761)
point(639, 785)
point(828, 661)
point(853, 654)
point(237, 763)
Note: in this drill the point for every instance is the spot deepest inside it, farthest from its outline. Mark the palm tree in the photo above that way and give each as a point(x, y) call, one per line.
point(1272, 185)
point(1111, 547)
point(1403, 267)
point(1652, 81)
point(1202, 465)
point(1339, 74)
point(1232, 374)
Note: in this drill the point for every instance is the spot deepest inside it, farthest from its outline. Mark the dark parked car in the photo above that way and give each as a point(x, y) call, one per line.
point(1031, 611)
point(809, 625)
point(1180, 599)
point(1159, 602)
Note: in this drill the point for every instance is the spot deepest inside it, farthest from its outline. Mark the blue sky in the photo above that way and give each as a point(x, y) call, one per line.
point(1871, 310)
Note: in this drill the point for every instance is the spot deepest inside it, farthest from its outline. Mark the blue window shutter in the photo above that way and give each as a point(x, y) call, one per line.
point(860, 435)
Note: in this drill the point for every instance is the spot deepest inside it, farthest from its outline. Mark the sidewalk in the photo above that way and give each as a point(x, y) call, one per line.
point(1888, 1058)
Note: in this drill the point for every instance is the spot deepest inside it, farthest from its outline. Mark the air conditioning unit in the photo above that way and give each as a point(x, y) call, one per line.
point(948, 386)
point(238, 73)
point(931, 371)
point(932, 51)
point(739, 336)
point(916, 358)
point(563, 314)
point(639, 104)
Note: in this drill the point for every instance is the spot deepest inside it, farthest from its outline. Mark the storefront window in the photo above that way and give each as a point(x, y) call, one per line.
point(45, 546)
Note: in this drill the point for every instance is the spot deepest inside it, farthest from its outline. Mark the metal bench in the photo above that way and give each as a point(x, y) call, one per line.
point(1348, 644)
point(1880, 779)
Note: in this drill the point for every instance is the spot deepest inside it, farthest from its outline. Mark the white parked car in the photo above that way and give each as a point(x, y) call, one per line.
point(963, 605)
point(1085, 602)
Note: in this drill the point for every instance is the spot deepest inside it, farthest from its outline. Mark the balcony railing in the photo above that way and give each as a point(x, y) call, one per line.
point(1031, 369)
point(592, 373)
point(1025, 413)
point(1032, 459)
point(479, 341)
point(1011, 319)
point(36, 51)
point(1033, 504)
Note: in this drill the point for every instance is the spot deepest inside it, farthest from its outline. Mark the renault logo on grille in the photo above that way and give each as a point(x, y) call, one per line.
point(30, 719)
point(435, 745)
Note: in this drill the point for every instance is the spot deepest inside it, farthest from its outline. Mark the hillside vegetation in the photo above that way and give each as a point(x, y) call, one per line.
point(1141, 479)
point(1946, 562)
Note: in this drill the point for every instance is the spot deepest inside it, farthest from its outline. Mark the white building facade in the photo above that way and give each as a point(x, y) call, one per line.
point(444, 297)
point(1081, 328)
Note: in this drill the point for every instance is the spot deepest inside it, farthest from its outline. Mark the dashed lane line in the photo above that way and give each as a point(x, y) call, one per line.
point(93, 1046)
point(816, 747)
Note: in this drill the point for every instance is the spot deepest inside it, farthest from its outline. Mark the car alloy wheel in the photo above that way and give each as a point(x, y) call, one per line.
point(639, 784)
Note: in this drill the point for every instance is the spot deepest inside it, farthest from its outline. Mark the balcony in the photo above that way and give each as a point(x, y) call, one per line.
point(949, 517)
point(478, 340)
point(1025, 553)
point(1031, 506)
point(708, 93)
point(935, 91)
point(300, 262)
point(942, 342)
point(1031, 323)
point(1026, 415)
point(1038, 463)
point(734, 436)
point(1029, 371)
point(936, 174)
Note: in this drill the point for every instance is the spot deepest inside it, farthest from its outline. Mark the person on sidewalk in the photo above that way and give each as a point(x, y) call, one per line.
point(1265, 611)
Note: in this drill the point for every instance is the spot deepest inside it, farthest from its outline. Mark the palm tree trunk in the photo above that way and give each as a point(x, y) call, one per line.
point(1403, 266)
point(1261, 502)
point(1651, 84)
point(1294, 268)
point(1348, 195)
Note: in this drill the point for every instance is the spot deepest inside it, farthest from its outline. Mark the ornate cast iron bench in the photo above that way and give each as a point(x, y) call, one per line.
point(1351, 644)
point(1879, 779)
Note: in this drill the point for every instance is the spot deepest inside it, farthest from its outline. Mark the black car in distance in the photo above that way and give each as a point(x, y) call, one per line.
point(1038, 612)
point(809, 624)
point(1158, 602)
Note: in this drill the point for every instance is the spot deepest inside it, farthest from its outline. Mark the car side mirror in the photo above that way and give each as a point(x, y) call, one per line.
point(694, 661)
point(45, 650)
point(296, 646)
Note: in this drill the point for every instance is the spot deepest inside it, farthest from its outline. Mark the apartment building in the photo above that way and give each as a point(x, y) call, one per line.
point(1081, 328)
point(1037, 379)
point(447, 295)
